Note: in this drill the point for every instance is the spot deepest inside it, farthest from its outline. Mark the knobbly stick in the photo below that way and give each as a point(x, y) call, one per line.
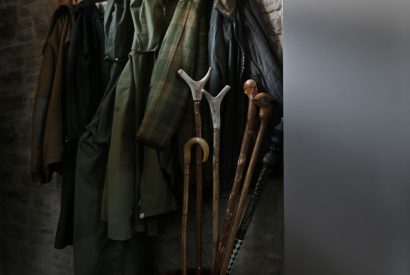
point(250, 90)
point(263, 100)
point(271, 160)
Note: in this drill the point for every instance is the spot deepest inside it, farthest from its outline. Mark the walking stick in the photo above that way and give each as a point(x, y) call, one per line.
point(184, 227)
point(271, 160)
point(196, 88)
point(250, 90)
point(215, 106)
point(263, 100)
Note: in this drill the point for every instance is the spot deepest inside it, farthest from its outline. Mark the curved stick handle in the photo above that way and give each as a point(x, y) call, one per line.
point(187, 149)
point(263, 101)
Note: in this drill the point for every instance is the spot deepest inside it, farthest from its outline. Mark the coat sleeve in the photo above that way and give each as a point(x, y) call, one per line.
point(41, 103)
point(169, 94)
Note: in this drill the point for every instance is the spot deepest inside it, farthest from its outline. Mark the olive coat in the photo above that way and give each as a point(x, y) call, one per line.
point(136, 182)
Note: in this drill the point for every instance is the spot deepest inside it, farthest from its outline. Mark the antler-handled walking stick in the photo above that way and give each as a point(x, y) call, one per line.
point(271, 160)
point(196, 91)
point(215, 106)
point(184, 227)
point(263, 100)
point(250, 90)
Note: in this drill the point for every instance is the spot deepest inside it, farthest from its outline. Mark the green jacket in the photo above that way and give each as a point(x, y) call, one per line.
point(136, 185)
point(168, 94)
point(94, 253)
point(139, 178)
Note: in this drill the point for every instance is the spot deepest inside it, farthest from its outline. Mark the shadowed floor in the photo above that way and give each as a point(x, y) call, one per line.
point(261, 253)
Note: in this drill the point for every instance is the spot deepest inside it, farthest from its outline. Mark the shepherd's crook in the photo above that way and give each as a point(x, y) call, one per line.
point(215, 106)
point(184, 226)
point(196, 88)
point(250, 90)
point(263, 100)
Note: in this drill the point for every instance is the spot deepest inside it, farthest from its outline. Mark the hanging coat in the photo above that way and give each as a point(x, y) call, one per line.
point(239, 49)
point(169, 94)
point(84, 87)
point(47, 142)
point(136, 184)
point(94, 253)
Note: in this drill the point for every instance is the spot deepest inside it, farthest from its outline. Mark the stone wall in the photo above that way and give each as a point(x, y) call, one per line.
point(29, 213)
point(272, 12)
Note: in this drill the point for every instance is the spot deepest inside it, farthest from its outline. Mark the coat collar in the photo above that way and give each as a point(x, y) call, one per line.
point(226, 7)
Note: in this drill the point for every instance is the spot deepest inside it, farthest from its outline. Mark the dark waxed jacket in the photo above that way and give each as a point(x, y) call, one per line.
point(239, 49)
point(47, 143)
point(82, 92)
point(136, 186)
point(85, 69)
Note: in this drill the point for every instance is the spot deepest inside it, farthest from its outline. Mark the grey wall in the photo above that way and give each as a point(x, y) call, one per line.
point(347, 133)
point(28, 213)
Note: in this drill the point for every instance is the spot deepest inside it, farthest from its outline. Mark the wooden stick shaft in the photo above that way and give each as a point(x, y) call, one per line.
point(215, 107)
point(248, 215)
point(184, 229)
point(203, 145)
point(271, 160)
point(215, 201)
point(196, 91)
point(198, 223)
point(242, 200)
point(220, 249)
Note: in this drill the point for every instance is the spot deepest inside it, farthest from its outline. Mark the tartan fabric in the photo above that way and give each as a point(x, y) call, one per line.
point(168, 94)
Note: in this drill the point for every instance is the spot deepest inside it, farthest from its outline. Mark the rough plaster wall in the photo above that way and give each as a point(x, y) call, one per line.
point(29, 213)
point(272, 12)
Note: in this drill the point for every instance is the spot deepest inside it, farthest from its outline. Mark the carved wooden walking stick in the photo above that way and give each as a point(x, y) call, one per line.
point(196, 91)
point(271, 160)
point(250, 90)
point(184, 227)
point(263, 100)
point(215, 106)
